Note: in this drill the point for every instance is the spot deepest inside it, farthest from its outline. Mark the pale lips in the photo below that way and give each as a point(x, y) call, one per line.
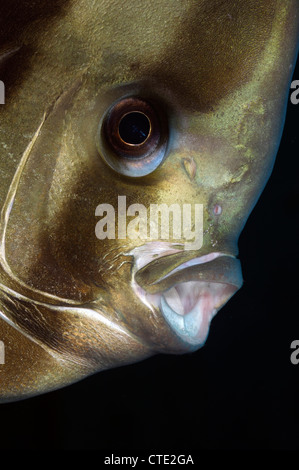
point(189, 307)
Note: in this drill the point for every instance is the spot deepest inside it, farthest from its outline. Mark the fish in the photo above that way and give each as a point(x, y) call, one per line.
point(135, 140)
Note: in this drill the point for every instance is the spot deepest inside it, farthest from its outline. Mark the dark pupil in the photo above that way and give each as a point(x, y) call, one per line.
point(134, 128)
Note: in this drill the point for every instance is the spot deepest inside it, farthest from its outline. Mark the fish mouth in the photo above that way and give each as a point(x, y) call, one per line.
point(189, 294)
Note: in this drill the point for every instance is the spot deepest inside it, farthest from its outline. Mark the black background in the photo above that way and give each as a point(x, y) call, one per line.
point(240, 391)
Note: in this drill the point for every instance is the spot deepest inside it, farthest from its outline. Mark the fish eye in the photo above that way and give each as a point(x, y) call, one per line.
point(132, 136)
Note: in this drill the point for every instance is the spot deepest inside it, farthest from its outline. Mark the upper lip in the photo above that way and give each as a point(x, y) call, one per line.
point(166, 271)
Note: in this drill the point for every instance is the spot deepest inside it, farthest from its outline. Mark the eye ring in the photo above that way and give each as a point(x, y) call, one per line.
point(132, 137)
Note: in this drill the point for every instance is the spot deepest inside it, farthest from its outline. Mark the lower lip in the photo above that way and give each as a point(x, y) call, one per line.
point(189, 307)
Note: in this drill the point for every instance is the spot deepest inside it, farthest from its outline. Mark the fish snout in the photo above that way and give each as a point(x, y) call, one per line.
point(189, 295)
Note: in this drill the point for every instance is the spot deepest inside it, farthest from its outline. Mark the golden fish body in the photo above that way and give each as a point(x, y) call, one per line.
point(112, 108)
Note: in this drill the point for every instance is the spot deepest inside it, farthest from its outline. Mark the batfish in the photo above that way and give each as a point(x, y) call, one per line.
point(135, 140)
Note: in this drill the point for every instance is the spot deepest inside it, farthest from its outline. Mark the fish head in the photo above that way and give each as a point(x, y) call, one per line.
point(151, 131)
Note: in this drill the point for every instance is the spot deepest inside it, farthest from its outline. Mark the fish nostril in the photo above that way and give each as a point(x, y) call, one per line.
point(190, 167)
point(134, 128)
point(217, 209)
